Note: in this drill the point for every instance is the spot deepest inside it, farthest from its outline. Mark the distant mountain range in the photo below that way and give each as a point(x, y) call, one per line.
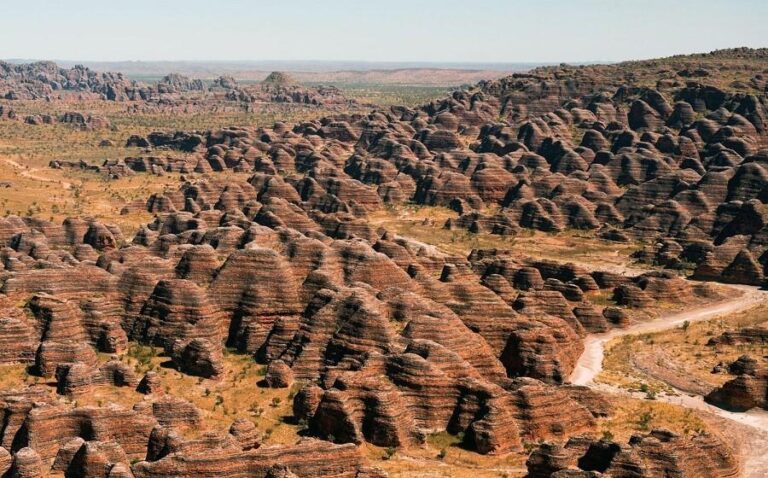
point(336, 72)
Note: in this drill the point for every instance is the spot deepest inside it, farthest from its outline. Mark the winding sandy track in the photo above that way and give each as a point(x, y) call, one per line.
point(590, 364)
point(30, 173)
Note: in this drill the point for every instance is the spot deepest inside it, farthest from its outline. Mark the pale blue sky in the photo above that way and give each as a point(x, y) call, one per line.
point(391, 30)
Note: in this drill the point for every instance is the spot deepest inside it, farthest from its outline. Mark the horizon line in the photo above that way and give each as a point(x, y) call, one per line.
point(373, 62)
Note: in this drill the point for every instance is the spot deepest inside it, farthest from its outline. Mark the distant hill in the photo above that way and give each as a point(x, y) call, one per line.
point(339, 73)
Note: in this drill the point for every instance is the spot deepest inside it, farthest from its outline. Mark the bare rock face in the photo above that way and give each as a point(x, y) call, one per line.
point(78, 378)
point(547, 460)
point(120, 470)
point(400, 421)
point(177, 310)
point(64, 337)
point(246, 433)
point(592, 319)
point(306, 458)
point(371, 472)
point(306, 401)
point(48, 427)
point(659, 452)
point(200, 358)
point(631, 296)
point(748, 390)
point(279, 78)
point(528, 278)
point(546, 349)
point(37, 80)
point(280, 471)
point(66, 453)
point(172, 411)
point(746, 335)
point(6, 461)
point(616, 316)
point(18, 340)
point(16, 406)
point(100, 237)
point(96, 459)
point(279, 375)
point(597, 404)
point(165, 441)
point(27, 464)
point(151, 383)
point(52, 354)
point(175, 412)
point(256, 286)
point(198, 264)
point(745, 365)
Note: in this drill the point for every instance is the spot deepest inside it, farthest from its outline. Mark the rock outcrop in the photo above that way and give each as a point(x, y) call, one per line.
point(659, 453)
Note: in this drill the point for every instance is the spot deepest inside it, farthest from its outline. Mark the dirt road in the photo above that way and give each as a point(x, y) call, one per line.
point(755, 446)
point(31, 173)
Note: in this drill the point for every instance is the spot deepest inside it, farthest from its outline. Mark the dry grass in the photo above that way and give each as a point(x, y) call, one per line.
point(15, 376)
point(686, 347)
point(236, 394)
point(618, 368)
point(36, 189)
point(441, 458)
point(633, 416)
point(425, 223)
point(386, 95)
point(44, 194)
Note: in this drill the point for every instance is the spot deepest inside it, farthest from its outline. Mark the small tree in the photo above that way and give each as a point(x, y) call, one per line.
point(645, 420)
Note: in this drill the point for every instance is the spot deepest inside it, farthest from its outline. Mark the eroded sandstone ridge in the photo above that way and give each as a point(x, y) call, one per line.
point(46, 80)
point(658, 453)
point(384, 340)
point(679, 164)
point(392, 339)
point(747, 390)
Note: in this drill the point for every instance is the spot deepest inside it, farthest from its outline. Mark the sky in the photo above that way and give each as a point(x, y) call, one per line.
point(481, 31)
